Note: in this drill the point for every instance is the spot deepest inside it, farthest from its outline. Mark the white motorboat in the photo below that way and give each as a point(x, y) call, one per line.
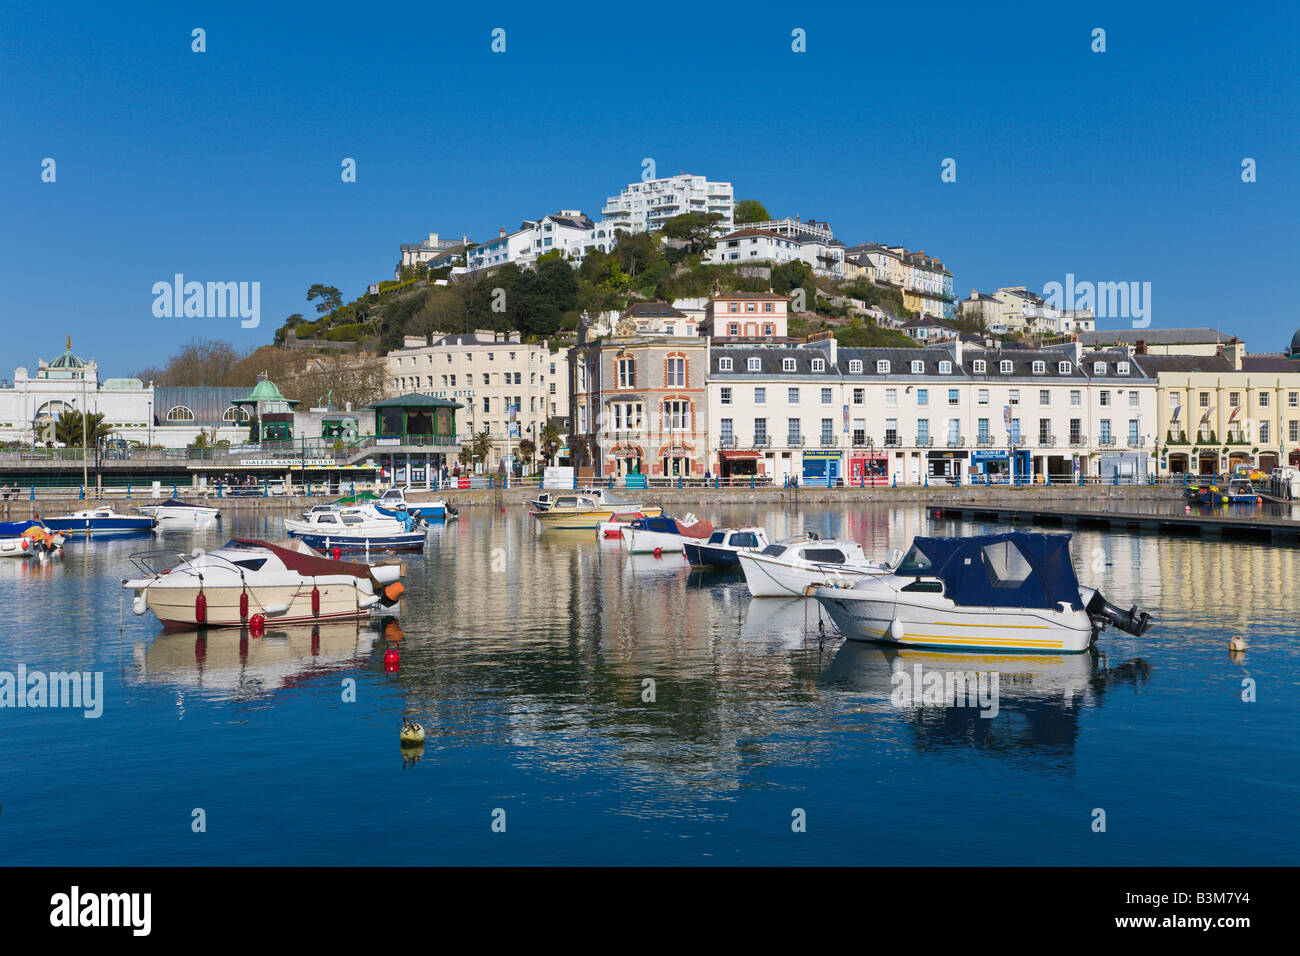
point(228, 586)
point(788, 568)
point(1014, 591)
point(362, 528)
point(613, 528)
point(723, 547)
point(27, 539)
point(424, 504)
point(176, 515)
point(663, 535)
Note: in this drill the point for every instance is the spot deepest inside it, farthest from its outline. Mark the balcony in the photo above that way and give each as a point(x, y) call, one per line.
point(893, 441)
point(794, 441)
point(829, 441)
point(1136, 441)
point(1046, 440)
point(956, 441)
point(762, 441)
point(727, 441)
point(924, 441)
point(984, 441)
point(1107, 441)
point(1078, 441)
point(861, 441)
point(1177, 438)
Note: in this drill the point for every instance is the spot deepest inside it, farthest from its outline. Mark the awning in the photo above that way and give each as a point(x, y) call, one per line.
point(741, 454)
point(946, 454)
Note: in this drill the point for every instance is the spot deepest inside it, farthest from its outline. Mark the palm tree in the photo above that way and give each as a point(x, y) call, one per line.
point(526, 451)
point(68, 429)
point(550, 438)
point(481, 446)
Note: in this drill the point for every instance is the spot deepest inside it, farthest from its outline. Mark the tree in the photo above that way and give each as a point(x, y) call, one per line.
point(200, 362)
point(330, 298)
point(291, 322)
point(750, 210)
point(694, 229)
point(527, 449)
point(68, 430)
point(481, 446)
point(550, 438)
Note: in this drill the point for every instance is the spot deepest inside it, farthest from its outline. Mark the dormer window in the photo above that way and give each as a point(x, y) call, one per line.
point(882, 367)
point(755, 365)
point(1040, 368)
point(1121, 368)
point(1098, 368)
point(918, 368)
point(1005, 366)
point(945, 368)
point(724, 365)
point(819, 365)
point(1064, 368)
point(855, 366)
point(979, 366)
point(787, 365)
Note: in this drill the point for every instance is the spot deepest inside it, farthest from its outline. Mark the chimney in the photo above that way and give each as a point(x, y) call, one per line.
point(1219, 349)
point(501, 232)
point(1140, 347)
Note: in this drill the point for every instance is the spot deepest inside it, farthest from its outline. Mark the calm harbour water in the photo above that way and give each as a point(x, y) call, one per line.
point(523, 654)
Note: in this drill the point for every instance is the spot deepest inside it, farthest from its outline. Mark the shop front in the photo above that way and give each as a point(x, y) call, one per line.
point(868, 468)
point(995, 465)
point(739, 464)
point(821, 466)
point(946, 466)
point(624, 460)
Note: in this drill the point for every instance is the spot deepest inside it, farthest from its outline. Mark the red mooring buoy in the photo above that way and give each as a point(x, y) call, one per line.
point(256, 625)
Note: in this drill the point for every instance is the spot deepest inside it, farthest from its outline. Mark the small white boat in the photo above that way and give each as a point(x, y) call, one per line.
point(27, 539)
point(613, 528)
point(229, 585)
point(1014, 591)
point(663, 535)
point(175, 515)
point(788, 568)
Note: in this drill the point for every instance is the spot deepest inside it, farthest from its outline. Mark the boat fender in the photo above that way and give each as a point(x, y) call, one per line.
point(896, 629)
point(659, 552)
point(315, 601)
point(201, 608)
point(138, 604)
point(243, 605)
point(273, 609)
point(338, 553)
point(394, 592)
point(392, 660)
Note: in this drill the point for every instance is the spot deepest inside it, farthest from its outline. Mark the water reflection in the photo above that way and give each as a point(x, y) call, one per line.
point(229, 663)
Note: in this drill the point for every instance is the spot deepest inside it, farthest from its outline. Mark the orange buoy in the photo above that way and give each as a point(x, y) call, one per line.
point(394, 591)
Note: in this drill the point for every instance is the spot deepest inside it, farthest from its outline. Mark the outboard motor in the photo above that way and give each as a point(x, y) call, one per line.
point(1102, 612)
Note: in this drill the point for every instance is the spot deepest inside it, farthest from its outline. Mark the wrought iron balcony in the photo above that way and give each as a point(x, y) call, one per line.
point(1078, 441)
point(829, 441)
point(984, 441)
point(924, 442)
point(794, 441)
point(1047, 440)
point(893, 441)
point(957, 442)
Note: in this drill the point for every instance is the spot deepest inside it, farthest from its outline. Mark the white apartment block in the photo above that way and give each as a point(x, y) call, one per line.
point(488, 374)
point(751, 245)
point(815, 412)
point(646, 206)
point(568, 231)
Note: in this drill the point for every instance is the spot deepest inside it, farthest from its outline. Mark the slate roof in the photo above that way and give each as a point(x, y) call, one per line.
point(1155, 364)
point(1196, 336)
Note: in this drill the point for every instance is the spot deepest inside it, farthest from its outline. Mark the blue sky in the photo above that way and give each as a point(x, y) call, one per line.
point(225, 165)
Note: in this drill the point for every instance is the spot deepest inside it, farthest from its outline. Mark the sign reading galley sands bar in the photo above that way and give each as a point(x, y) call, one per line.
point(417, 434)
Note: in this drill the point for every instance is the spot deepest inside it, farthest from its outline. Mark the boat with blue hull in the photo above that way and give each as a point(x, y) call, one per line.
point(404, 499)
point(101, 523)
point(358, 529)
point(724, 546)
point(25, 539)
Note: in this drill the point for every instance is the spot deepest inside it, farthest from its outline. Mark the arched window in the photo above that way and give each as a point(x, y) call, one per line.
point(179, 413)
point(234, 414)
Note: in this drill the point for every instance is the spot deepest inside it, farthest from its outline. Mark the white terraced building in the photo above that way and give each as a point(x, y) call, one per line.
point(487, 373)
point(646, 206)
point(569, 231)
point(751, 245)
point(814, 411)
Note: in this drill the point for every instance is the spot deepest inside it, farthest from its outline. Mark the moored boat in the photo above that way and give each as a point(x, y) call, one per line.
point(101, 522)
point(26, 539)
point(1014, 591)
point(584, 511)
point(423, 504)
point(285, 584)
point(358, 529)
point(788, 568)
point(175, 514)
point(662, 534)
point(723, 547)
